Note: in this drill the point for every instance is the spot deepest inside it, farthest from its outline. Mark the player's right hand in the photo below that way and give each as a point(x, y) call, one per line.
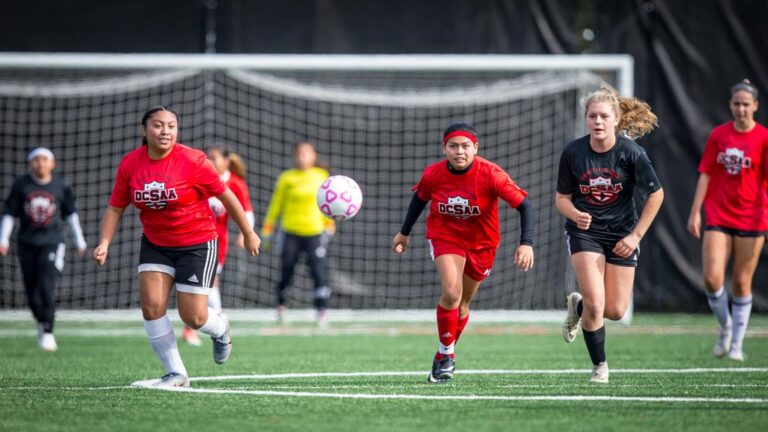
point(400, 243)
point(694, 224)
point(100, 253)
point(252, 243)
point(3, 250)
point(583, 220)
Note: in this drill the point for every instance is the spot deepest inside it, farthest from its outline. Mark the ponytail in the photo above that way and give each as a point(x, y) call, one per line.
point(236, 165)
point(635, 116)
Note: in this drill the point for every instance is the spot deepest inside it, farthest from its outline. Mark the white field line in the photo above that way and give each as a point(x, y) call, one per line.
point(570, 398)
point(464, 372)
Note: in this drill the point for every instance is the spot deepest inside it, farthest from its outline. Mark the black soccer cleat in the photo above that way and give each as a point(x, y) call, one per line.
point(442, 369)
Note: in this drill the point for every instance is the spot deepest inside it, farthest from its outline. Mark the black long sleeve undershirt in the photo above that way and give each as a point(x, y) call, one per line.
point(415, 208)
point(526, 209)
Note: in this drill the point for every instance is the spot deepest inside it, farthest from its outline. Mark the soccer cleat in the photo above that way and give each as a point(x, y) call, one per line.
point(600, 373)
point(47, 342)
point(190, 337)
point(723, 343)
point(736, 354)
point(173, 379)
point(222, 346)
point(572, 319)
point(442, 369)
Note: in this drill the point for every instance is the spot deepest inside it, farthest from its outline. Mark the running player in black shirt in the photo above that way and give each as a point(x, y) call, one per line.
point(42, 201)
point(599, 174)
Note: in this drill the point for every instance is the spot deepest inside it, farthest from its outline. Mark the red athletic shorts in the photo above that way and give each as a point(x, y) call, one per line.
point(479, 261)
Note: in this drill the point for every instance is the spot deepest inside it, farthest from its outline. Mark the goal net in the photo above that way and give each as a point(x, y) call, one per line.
point(377, 119)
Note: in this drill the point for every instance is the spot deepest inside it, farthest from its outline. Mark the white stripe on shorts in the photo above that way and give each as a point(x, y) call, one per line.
point(431, 249)
point(193, 289)
point(148, 267)
point(210, 261)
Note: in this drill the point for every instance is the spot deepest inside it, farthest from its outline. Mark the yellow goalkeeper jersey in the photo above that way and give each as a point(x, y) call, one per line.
point(294, 202)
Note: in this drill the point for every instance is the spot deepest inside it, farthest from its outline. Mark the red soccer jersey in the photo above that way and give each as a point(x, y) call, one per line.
point(237, 185)
point(735, 161)
point(464, 207)
point(171, 194)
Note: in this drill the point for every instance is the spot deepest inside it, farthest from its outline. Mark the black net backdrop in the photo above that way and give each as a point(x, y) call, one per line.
point(381, 129)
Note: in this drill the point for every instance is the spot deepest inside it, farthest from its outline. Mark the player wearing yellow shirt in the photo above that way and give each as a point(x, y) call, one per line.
point(303, 228)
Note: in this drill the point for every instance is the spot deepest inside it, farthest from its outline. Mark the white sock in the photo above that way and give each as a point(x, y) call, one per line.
point(446, 350)
point(718, 302)
point(215, 326)
point(163, 341)
point(214, 300)
point(742, 308)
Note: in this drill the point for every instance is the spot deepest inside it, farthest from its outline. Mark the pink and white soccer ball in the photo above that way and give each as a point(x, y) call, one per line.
point(339, 198)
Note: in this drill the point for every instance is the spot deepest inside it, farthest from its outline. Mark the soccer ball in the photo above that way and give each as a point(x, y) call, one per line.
point(339, 198)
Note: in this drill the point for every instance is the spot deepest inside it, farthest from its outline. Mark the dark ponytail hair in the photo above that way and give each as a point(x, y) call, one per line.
point(149, 113)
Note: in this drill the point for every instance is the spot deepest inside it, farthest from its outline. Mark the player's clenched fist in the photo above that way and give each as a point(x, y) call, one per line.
point(400, 243)
point(583, 220)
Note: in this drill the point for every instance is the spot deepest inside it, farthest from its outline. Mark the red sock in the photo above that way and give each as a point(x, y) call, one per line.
point(460, 328)
point(447, 323)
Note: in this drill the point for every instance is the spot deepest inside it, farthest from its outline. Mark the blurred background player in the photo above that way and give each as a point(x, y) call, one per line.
point(463, 231)
point(303, 228)
point(732, 188)
point(170, 184)
point(598, 176)
point(232, 171)
point(42, 201)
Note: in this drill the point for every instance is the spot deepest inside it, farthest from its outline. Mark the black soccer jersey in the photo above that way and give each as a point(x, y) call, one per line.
point(42, 209)
point(603, 184)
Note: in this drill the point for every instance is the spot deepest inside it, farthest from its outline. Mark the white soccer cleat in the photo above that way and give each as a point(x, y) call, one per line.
point(723, 343)
point(572, 319)
point(736, 354)
point(222, 346)
point(173, 379)
point(47, 342)
point(600, 373)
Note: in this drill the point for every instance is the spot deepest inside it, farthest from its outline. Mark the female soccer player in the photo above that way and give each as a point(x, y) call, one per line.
point(232, 172)
point(303, 227)
point(42, 201)
point(732, 188)
point(598, 176)
point(170, 184)
point(463, 231)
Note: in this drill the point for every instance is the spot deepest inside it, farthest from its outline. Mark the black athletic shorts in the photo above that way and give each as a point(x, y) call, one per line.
point(602, 244)
point(193, 267)
point(734, 232)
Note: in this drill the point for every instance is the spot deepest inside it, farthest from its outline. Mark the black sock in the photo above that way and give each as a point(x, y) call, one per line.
point(580, 308)
point(595, 341)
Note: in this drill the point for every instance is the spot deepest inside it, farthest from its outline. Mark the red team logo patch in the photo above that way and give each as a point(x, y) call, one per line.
point(155, 195)
point(734, 160)
point(458, 207)
point(601, 189)
point(40, 207)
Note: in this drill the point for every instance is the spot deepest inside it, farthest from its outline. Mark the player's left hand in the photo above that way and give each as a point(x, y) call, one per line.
point(241, 241)
point(252, 243)
point(626, 246)
point(524, 257)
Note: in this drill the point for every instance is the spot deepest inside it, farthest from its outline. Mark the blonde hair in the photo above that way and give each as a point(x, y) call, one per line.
point(236, 165)
point(635, 116)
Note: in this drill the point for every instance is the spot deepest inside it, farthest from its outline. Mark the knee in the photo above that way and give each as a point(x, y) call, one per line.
point(593, 310)
point(713, 282)
point(152, 311)
point(615, 312)
point(194, 320)
point(450, 299)
point(742, 285)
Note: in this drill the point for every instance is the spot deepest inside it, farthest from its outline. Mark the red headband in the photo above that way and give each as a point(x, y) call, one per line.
point(463, 133)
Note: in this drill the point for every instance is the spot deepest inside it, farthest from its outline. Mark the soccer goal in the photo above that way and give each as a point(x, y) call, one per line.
point(375, 118)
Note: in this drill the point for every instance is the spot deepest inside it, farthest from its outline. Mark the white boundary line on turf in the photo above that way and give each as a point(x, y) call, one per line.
point(462, 372)
point(149, 384)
